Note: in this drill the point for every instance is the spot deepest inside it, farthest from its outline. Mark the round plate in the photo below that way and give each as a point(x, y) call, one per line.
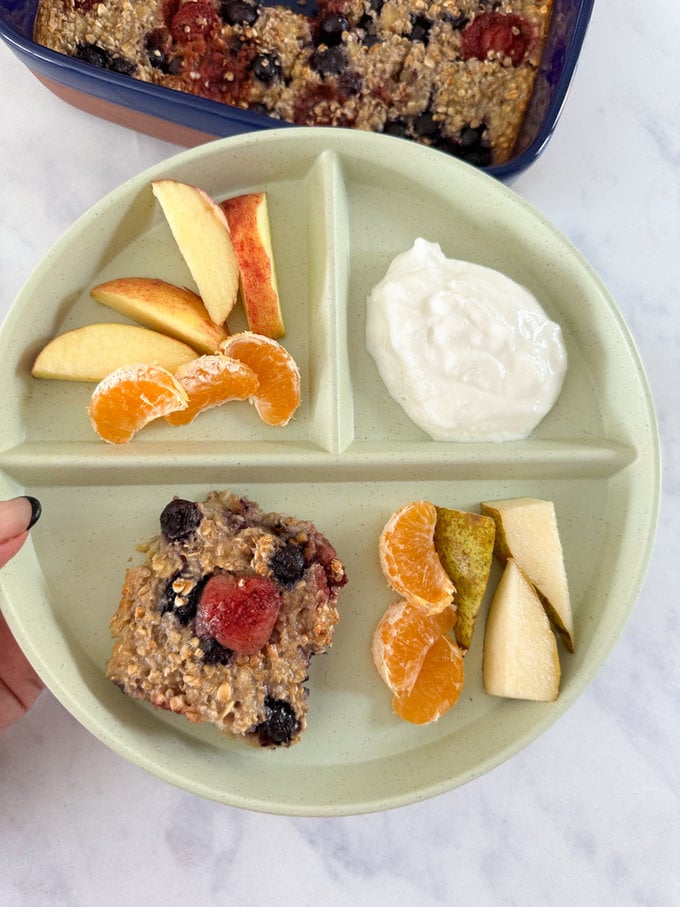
point(342, 205)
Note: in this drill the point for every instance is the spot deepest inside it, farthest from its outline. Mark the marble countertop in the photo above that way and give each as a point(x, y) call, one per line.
point(590, 812)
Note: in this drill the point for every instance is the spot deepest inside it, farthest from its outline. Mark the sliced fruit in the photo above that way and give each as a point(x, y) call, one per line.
point(238, 611)
point(437, 687)
point(131, 397)
point(211, 381)
point(248, 218)
point(92, 352)
point(526, 530)
point(278, 394)
point(163, 307)
point(409, 560)
point(464, 542)
point(520, 651)
point(200, 229)
point(402, 639)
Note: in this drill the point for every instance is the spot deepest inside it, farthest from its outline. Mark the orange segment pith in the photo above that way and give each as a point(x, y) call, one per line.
point(437, 686)
point(409, 560)
point(402, 639)
point(278, 393)
point(210, 381)
point(131, 397)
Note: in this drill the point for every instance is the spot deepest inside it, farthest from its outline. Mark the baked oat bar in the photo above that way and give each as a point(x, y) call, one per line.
point(453, 74)
point(221, 620)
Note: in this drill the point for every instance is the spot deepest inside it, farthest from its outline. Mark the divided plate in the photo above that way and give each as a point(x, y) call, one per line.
point(342, 205)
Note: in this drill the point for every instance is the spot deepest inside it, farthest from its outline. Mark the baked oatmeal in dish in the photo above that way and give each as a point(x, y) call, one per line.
point(221, 620)
point(453, 74)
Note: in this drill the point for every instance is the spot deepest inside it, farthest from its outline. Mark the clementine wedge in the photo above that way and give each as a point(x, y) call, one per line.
point(278, 393)
point(437, 687)
point(211, 381)
point(409, 560)
point(402, 639)
point(132, 396)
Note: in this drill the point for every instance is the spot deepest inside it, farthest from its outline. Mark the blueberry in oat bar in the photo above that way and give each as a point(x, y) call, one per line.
point(221, 620)
point(452, 74)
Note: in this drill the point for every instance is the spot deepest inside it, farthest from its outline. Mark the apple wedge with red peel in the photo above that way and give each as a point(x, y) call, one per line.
point(163, 307)
point(200, 229)
point(520, 658)
point(90, 353)
point(248, 219)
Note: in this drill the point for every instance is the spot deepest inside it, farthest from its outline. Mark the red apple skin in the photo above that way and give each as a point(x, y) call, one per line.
point(163, 307)
point(248, 220)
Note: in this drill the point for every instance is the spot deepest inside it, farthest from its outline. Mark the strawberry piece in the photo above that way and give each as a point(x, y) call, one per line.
point(238, 611)
point(503, 33)
point(193, 20)
point(212, 70)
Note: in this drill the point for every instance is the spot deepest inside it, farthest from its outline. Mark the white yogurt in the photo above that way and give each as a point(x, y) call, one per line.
point(468, 353)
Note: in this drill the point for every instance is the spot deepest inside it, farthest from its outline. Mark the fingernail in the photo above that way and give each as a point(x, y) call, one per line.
point(36, 510)
point(18, 515)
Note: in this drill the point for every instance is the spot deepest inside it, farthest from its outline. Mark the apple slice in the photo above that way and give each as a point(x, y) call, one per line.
point(163, 307)
point(526, 530)
point(248, 218)
point(90, 353)
point(520, 651)
point(201, 232)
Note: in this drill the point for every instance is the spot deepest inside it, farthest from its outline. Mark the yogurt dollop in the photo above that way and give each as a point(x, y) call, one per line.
point(468, 353)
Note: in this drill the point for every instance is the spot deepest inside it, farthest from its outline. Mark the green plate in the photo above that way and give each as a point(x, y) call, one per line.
point(342, 205)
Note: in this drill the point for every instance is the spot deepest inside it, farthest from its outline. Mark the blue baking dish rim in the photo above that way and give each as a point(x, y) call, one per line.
point(118, 89)
point(558, 99)
point(155, 99)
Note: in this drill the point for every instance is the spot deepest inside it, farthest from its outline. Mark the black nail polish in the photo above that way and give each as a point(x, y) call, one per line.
point(36, 510)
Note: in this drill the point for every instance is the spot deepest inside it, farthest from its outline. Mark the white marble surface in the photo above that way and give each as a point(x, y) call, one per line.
point(588, 814)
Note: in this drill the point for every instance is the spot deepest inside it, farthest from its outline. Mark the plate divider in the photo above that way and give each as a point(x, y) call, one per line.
point(154, 463)
point(331, 397)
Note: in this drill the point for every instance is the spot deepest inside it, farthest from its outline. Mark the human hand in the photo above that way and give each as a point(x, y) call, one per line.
point(20, 686)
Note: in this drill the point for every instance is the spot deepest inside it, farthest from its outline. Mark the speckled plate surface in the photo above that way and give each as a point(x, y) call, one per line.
point(342, 205)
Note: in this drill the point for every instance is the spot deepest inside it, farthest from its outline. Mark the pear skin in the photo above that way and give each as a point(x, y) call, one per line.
point(464, 542)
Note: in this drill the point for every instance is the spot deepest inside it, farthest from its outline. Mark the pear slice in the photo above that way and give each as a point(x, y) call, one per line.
point(520, 651)
point(90, 353)
point(200, 229)
point(526, 530)
point(464, 542)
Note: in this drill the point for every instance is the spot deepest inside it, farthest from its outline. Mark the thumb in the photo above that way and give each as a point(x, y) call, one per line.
point(17, 516)
point(9, 548)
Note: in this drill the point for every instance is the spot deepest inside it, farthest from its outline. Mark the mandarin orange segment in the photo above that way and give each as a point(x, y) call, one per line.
point(278, 393)
point(409, 560)
point(402, 639)
point(211, 381)
point(132, 396)
point(437, 686)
